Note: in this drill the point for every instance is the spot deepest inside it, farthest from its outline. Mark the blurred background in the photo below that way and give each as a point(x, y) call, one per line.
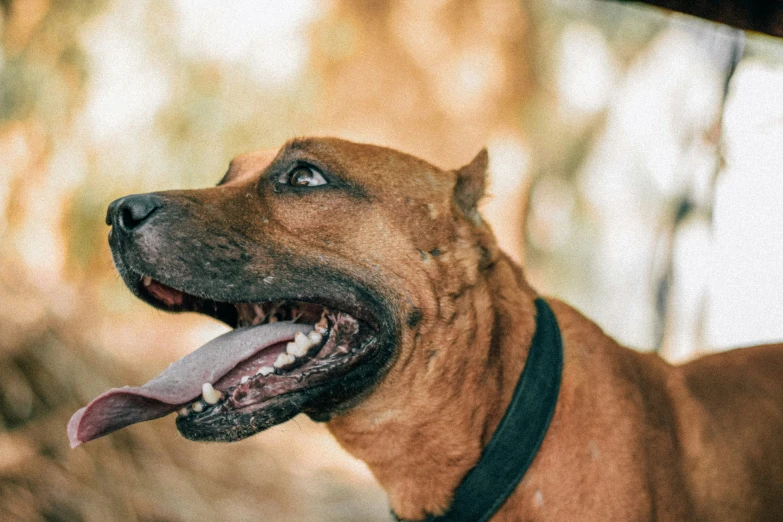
point(637, 172)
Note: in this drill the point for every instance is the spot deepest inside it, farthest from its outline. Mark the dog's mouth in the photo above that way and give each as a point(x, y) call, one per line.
point(283, 357)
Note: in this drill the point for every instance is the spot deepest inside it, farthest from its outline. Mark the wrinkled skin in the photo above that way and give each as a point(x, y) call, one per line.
point(399, 243)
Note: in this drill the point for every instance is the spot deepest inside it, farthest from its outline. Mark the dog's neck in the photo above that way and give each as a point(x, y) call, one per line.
point(425, 426)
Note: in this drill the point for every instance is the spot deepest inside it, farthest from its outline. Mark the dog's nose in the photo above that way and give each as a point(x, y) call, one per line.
point(128, 213)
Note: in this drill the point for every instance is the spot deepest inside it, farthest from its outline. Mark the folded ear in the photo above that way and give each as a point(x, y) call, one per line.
point(470, 183)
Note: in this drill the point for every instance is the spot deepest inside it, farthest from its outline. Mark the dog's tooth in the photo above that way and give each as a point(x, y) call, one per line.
point(210, 394)
point(244, 380)
point(294, 349)
point(284, 359)
point(183, 412)
point(265, 370)
point(146, 280)
point(197, 406)
point(316, 337)
point(303, 342)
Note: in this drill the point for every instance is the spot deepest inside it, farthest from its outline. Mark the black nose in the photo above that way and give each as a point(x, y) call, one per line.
point(130, 212)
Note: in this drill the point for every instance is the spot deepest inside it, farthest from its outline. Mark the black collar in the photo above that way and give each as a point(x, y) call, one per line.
point(519, 435)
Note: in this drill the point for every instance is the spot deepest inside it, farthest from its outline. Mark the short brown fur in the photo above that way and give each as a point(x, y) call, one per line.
point(632, 438)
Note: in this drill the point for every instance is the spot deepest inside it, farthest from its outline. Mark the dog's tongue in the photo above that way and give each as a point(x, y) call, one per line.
point(178, 384)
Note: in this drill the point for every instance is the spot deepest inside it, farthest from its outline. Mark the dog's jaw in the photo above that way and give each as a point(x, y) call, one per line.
point(459, 368)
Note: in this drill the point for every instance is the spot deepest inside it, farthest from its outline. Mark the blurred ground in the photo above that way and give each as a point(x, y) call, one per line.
point(636, 171)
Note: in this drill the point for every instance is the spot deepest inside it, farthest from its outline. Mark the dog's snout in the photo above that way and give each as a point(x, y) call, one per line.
point(130, 212)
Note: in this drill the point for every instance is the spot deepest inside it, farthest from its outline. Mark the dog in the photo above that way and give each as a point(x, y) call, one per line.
point(368, 292)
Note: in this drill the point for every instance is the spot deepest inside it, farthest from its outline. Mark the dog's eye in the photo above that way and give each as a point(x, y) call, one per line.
point(303, 176)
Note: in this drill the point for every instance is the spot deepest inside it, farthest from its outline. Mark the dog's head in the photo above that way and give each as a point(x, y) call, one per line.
point(361, 243)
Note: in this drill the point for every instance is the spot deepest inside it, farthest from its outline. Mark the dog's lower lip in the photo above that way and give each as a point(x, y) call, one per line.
point(179, 383)
point(342, 347)
point(249, 314)
point(232, 375)
point(320, 391)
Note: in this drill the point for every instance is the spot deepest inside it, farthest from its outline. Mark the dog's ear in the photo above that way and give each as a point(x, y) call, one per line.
point(471, 180)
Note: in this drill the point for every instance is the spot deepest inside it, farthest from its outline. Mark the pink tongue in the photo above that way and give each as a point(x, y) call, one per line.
point(178, 384)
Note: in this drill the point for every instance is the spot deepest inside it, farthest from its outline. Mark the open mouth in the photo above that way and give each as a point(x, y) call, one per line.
point(282, 357)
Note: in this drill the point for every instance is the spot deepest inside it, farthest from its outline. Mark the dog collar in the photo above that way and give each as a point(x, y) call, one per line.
point(521, 431)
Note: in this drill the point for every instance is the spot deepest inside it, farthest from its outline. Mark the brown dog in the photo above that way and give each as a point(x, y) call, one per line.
point(422, 328)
